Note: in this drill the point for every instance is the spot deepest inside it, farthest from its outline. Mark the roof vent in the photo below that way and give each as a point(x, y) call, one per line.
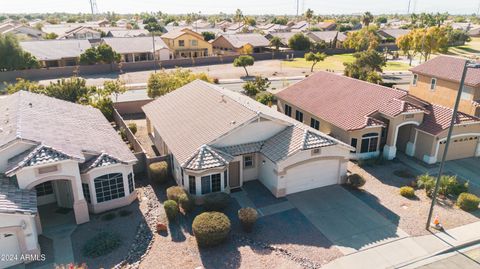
point(222, 99)
point(30, 105)
point(233, 122)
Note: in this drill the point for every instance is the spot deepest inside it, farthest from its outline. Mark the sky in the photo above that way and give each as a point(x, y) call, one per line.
point(279, 7)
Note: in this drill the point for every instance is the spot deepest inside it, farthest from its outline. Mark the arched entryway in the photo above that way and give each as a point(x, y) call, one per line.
point(405, 135)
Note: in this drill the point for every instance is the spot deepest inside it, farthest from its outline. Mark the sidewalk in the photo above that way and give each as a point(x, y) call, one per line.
point(402, 252)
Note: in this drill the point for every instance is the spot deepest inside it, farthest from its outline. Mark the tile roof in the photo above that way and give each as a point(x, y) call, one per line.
point(345, 102)
point(98, 161)
point(448, 68)
point(128, 33)
point(439, 117)
point(207, 157)
point(241, 149)
point(67, 128)
point(180, 31)
point(284, 37)
point(240, 40)
point(395, 33)
point(327, 36)
point(39, 155)
point(139, 44)
point(14, 200)
point(56, 49)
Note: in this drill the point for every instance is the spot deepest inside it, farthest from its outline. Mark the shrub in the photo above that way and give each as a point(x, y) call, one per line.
point(109, 216)
point(356, 180)
point(133, 127)
point(407, 191)
point(449, 185)
point(215, 80)
point(123, 134)
point(468, 201)
point(211, 228)
point(186, 202)
point(171, 209)
point(248, 216)
point(159, 171)
point(426, 182)
point(216, 201)
point(101, 244)
point(174, 192)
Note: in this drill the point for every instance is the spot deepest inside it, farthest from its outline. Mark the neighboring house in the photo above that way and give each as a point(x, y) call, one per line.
point(81, 32)
point(438, 80)
point(185, 43)
point(56, 53)
point(136, 49)
point(298, 26)
point(273, 28)
point(333, 39)
point(475, 31)
point(218, 139)
point(325, 26)
point(127, 33)
point(284, 37)
point(373, 118)
point(55, 155)
point(240, 44)
point(22, 32)
point(391, 35)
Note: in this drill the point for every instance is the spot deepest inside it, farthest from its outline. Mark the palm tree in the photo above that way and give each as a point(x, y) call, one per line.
point(367, 18)
point(276, 42)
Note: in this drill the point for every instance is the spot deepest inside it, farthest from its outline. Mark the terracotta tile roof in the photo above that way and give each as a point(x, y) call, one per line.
point(14, 200)
point(439, 119)
point(345, 102)
point(448, 68)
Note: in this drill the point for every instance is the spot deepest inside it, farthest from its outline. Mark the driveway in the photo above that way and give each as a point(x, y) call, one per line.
point(346, 221)
point(467, 169)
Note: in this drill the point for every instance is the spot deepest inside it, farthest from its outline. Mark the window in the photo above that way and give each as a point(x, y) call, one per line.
point(131, 186)
point(353, 143)
point(314, 124)
point(109, 187)
point(86, 192)
point(192, 186)
point(414, 81)
point(288, 110)
point(248, 161)
point(216, 183)
point(206, 188)
point(225, 178)
point(181, 172)
point(433, 84)
point(45, 188)
point(467, 93)
point(194, 43)
point(369, 143)
point(211, 183)
point(181, 43)
point(299, 116)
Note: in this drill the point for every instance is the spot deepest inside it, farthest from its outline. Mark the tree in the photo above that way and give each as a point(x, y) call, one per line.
point(208, 36)
point(299, 41)
point(244, 61)
point(252, 88)
point(164, 82)
point(280, 20)
point(367, 66)
point(315, 58)
point(238, 15)
point(381, 19)
point(51, 36)
point(100, 54)
point(276, 42)
point(265, 98)
point(367, 18)
point(154, 27)
point(309, 15)
point(430, 40)
point(406, 45)
point(13, 57)
point(89, 57)
point(320, 45)
point(365, 38)
point(250, 21)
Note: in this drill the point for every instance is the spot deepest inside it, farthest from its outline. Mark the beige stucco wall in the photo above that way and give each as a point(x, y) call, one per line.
point(173, 44)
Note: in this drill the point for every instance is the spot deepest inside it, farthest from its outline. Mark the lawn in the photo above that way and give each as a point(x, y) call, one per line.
point(335, 62)
point(470, 49)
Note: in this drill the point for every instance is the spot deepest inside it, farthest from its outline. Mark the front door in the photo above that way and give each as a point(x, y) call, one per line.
point(234, 174)
point(64, 193)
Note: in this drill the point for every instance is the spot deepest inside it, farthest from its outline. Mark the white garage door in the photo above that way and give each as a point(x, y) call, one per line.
point(312, 175)
point(9, 249)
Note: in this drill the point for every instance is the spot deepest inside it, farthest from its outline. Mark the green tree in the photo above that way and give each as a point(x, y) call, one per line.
point(89, 56)
point(208, 36)
point(367, 66)
point(299, 41)
point(250, 21)
point(280, 20)
point(51, 36)
point(265, 98)
point(106, 54)
point(244, 61)
point(381, 19)
point(13, 57)
point(238, 15)
point(315, 58)
point(406, 45)
point(309, 15)
point(367, 18)
point(364, 39)
point(154, 27)
point(276, 42)
point(164, 82)
point(253, 87)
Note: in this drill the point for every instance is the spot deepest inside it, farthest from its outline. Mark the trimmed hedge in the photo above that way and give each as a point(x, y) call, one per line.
point(468, 201)
point(159, 171)
point(216, 201)
point(171, 209)
point(211, 228)
point(356, 180)
point(186, 202)
point(248, 216)
point(407, 192)
point(174, 192)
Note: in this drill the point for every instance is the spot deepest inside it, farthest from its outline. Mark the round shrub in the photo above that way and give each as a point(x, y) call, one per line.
point(186, 202)
point(171, 209)
point(159, 171)
point(173, 193)
point(216, 201)
point(133, 127)
point(407, 192)
point(468, 201)
point(248, 216)
point(211, 228)
point(356, 180)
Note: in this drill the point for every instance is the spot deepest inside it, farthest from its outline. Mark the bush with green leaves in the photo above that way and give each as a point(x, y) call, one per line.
point(216, 201)
point(247, 216)
point(171, 209)
point(159, 171)
point(186, 202)
point(407, 192)
point(244, 61)
point(174, 193)
point(449, 185)
point(265, 98)
point(356, 180)
point(101, 244)
point(211, 228)
point(133, 127)
point(468, 201)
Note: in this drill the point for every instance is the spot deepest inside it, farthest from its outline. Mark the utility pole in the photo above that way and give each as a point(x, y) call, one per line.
point(297, 6)
point(408, 10)
point(93, 8)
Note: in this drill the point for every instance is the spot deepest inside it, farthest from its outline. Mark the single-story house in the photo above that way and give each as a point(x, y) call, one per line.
point(218, 139)
point(333, 39)
point(325, 25)
point(391, 35)
point(373, 118)
point(298, 26)
point(56, 53)
point(273, 28)
point(81, 32)
point(284, 37)
point(140, 48)
point(56, 154)
point(22, 32)
point(127, 33)
point(240, 43)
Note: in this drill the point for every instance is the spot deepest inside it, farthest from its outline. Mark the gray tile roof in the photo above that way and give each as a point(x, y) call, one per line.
point(39, 155)
point(128, 33)
point(14, 200)
point(241, 149)
point(207, 157)
point(98, 161)
point(239, 40)
point(327, 36)
point(56, 49)
point(139, 44)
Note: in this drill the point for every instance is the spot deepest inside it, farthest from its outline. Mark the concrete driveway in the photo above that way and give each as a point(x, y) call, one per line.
point(468, 169)
point(346, 221)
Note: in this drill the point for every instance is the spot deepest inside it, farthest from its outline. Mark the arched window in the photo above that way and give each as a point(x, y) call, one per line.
point(109, 187)
point(369, 142)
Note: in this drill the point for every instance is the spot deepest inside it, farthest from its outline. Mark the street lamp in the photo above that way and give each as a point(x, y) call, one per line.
point(466, 66)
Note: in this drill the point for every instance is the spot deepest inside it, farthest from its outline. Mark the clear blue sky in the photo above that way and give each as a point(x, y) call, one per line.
point(247, 6)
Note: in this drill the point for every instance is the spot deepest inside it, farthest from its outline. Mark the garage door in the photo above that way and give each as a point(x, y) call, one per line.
point(312, 175)
point(460, 147)
point(9, 249)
